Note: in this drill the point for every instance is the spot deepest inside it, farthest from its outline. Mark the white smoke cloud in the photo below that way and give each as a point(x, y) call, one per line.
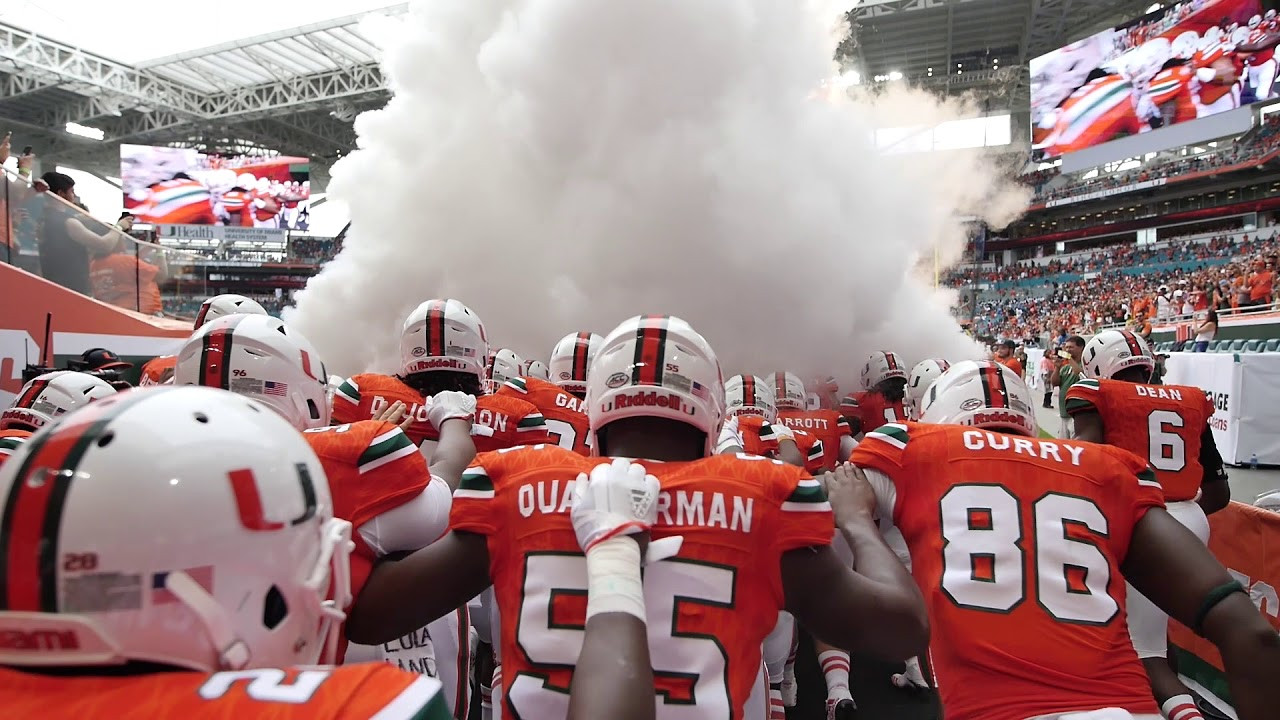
point(564, 164)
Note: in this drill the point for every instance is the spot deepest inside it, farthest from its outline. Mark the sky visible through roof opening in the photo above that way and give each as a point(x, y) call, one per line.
point(143, 30)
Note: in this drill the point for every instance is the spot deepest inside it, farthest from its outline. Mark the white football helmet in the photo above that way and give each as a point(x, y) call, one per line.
point(221, 548)
point(923, 375)
point(503, 365)
point(443, 335)
point(1255, 21)
point(788, 391)
point(1186, 44)
point(571, 358)
point(881, 366)
point(227, 304)
point(812, 401)
point(51, 395)
point(749, 395)
point(259, 357)
point(656, 366)
point(1111, 351)
point(982, 394)
point(536, 369)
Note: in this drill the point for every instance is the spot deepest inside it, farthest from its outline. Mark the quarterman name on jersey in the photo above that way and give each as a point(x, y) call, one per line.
point(679, 508)
point(1043, 449)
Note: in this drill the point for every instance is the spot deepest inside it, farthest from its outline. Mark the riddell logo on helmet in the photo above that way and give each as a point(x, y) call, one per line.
point(999, 417)
point(442, 363)
point(649, 398)
point(38, 639)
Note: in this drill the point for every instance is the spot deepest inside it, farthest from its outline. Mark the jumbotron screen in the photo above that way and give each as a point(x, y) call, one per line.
point(1188, 61)
point(181, 186)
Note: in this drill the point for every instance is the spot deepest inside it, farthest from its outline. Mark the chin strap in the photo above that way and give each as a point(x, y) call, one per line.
point(233, 654)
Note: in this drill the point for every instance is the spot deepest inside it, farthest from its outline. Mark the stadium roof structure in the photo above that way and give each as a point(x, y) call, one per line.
point(295, 92)
point(298, 91)
point(983, 46)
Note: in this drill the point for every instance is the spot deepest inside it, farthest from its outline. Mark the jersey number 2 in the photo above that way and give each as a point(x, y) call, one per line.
point(564, 434)
point(695, 661)
point(984, 555)
point(266, 685)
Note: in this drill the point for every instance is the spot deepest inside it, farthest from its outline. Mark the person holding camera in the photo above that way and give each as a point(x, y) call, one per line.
point(1068, 372)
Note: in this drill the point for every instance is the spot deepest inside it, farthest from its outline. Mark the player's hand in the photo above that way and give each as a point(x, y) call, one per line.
point(849, 493)
point(783, 432)
point(730, 437)
point(618, 498)
point(451, 405)
point(393, 414)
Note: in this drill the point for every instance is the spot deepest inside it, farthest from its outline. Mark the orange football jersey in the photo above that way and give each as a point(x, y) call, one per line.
point(872, 409)
point(360, 397)
point(815, 454)
point(564, 414)
point(758, 436)
point(10, 440)
point(826, 425)
point(158, 371)
point(709, 607)
point(1017, 544)
point(372, 467)
point(1162, 423)
point(504, 422)
point(350, 692)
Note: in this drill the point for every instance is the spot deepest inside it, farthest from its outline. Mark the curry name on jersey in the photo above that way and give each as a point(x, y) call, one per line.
point(565, 415)
point(1162, 423)
point(710, 607)
point(1016, 543)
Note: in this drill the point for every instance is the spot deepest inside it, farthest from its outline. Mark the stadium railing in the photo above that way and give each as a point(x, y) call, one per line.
point(36, 235)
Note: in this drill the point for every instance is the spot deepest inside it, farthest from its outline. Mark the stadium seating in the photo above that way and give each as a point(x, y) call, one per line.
point(1252, 346)
point(1271, 345)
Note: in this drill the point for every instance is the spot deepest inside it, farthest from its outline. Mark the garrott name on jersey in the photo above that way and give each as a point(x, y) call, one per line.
point(805, 423)
point(649, 398)
point(1158, 392)
point(566, 400)
point(679, 508)
point(1043, 449)
point(50, 639)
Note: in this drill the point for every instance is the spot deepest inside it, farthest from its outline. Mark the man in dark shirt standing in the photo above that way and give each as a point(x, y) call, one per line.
point(65, 240)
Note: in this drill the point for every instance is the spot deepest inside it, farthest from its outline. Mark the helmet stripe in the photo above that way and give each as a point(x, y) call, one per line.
point(33, 392)
point(435, 328)
point(651, 348)
point(748, 391)
point(30, 528)
point(892, 360)
point(993, 387)
point(1134, 347)
point(215, 355)
point(581, 352)
point(200, 316)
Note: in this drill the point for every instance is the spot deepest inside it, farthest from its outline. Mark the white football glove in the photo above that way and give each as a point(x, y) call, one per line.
point(619, 498)
point(451, 405)
point(729, 435)
point(783, 432)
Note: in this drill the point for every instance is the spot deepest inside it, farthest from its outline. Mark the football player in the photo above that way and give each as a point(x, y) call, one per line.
point(442, 347)
point(563, 412)
point(883, 396)
point(503, 365)
point(536, 369)
point(1020, 545)
point(756, 538)
point(789, 396)
point(826, 425)
point(159, 370)
point(922, 376)
point(222, 566)
point(570, 360)
point(380, 482)
point(1168, 425)
point(46, 397)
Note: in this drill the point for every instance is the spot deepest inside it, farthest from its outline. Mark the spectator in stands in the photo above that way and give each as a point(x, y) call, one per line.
point(1206, 331)
point(130, 275)
point(1068, 373)
point(66, 238)
point(1047, 368)
point(1260, 284)
point(1004, 356)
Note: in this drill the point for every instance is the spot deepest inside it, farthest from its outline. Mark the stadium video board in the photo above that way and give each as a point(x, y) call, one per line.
point(1185, 62)
point(181, 186)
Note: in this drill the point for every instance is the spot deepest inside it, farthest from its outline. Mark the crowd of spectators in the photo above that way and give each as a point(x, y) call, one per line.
point(1256, 147)
point(1182, 282)
point(185, 307)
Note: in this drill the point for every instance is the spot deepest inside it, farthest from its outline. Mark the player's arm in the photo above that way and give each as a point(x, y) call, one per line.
point(789, 452)
point(1088, 426)
point(452, 413)
point(1169, 565)
point(401, 596)
point(730, 440)
point(1215, 490)
point(875, 608)
point(614, 676)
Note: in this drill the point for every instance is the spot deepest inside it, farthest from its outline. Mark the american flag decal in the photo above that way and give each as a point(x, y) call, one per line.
point(700, 391)
point(274, 388)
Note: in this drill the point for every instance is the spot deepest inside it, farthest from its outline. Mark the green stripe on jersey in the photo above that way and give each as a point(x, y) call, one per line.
point(1148, 477)
point(385, 447)
point(475, 478)
point(349, 390)
point(808, 491)
point(518, 384)
point(894, 431)
point(1087, 384)
point(533, 420)
point(1075, 405)
point(9, 444)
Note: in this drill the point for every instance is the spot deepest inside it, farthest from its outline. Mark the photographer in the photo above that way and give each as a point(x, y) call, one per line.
point(129, 275)
point(1068, 372)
